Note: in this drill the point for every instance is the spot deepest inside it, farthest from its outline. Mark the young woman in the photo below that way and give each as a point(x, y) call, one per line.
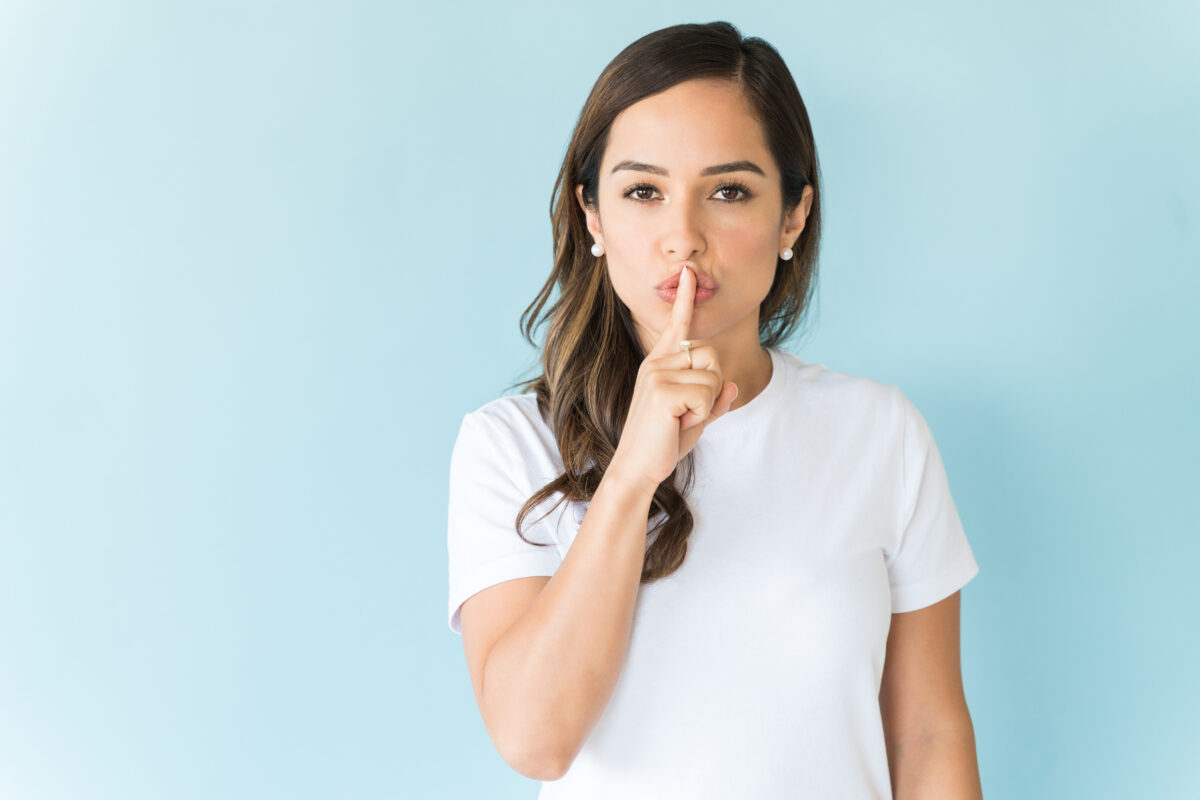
point(742, 579)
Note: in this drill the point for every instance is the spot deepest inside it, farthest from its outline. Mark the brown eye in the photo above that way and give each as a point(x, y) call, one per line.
point(635, 193)
point(641, 187)
point(735, 187)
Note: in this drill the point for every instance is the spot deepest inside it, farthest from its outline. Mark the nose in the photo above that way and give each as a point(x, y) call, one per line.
point(683, 235)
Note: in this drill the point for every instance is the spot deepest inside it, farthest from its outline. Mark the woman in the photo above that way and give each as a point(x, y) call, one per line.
point(744, 581)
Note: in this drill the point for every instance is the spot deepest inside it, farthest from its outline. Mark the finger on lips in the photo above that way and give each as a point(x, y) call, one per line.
point(681, 315)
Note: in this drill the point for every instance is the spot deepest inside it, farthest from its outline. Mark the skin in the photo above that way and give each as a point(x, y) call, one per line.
point(684, 217)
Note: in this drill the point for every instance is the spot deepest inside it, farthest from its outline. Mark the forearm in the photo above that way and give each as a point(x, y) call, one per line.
point(942, 767)
point(550, 676)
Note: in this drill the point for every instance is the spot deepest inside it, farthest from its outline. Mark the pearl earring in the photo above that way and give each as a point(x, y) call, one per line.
point(786, 254)
point(597, 249)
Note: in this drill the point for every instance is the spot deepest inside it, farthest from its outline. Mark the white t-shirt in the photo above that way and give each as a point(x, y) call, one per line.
point(821, 508)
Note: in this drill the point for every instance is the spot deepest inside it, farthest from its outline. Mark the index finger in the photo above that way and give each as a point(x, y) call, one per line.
point(681, 315)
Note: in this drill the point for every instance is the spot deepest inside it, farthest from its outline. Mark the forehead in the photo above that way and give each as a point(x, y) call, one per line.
point(688, 127)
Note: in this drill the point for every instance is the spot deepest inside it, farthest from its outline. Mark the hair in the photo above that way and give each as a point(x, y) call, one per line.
point(592, 353)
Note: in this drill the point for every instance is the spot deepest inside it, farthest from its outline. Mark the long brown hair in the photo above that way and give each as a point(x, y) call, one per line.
point(592, 352)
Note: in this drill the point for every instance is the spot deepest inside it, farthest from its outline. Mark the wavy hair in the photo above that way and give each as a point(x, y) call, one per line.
point(592, 353)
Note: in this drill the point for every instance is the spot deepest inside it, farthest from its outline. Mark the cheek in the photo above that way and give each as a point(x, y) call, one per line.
point(751, 242)
point(631, 231)
point(753, 249)
point(627, 284)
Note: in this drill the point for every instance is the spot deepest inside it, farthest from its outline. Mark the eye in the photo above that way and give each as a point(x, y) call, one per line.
point(634, 192)
point(735, 186)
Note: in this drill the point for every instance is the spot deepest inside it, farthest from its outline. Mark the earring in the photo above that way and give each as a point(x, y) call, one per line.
point(597, 249)
point(786, 254)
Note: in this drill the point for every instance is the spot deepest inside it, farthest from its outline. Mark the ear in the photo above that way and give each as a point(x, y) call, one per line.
point(593, 218)
point(793, 223)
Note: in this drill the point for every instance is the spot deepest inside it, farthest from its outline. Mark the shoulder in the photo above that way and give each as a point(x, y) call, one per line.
point(843, 395)
point(514, 427)
point(517, 414)
point(874, 414)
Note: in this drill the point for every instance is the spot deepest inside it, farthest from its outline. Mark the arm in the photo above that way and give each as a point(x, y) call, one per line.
point(548, 679)
point(943, 766)
point(930, 738)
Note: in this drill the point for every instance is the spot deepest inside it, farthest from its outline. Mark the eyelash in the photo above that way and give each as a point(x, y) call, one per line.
point(745, 190)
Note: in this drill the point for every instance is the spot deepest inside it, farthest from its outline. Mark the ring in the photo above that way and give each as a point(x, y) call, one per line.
point(686, 346)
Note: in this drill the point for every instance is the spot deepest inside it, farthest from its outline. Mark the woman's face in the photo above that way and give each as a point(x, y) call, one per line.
point(662, 204)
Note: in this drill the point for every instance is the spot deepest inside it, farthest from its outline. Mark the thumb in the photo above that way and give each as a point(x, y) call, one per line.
point(720, 406)
point(733, 393)
point(729, 393)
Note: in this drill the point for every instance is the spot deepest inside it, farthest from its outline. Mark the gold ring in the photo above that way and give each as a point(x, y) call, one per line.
point(686, 346)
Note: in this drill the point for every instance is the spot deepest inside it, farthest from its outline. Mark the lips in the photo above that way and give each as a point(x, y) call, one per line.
point(702, 281)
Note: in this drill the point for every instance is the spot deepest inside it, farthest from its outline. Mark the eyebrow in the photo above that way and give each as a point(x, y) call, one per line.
point(716, 169)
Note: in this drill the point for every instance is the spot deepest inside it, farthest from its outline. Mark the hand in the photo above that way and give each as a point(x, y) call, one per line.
point(672, 403)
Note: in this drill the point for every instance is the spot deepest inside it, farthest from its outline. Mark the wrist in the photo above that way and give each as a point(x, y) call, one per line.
point(629, 483)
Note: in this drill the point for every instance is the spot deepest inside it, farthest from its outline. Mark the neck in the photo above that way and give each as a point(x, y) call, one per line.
point(751, 373)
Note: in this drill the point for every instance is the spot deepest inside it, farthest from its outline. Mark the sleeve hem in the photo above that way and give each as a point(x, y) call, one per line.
point(516, 565)
point(928, 592)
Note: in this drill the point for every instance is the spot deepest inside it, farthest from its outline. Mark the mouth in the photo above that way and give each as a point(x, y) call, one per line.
point(703, 282)
point(668, 294)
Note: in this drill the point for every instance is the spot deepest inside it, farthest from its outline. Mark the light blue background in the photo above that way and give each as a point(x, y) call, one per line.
point(257, 260)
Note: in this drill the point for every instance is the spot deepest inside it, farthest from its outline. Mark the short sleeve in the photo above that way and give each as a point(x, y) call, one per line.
point(489, 483)
point(932, 558)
